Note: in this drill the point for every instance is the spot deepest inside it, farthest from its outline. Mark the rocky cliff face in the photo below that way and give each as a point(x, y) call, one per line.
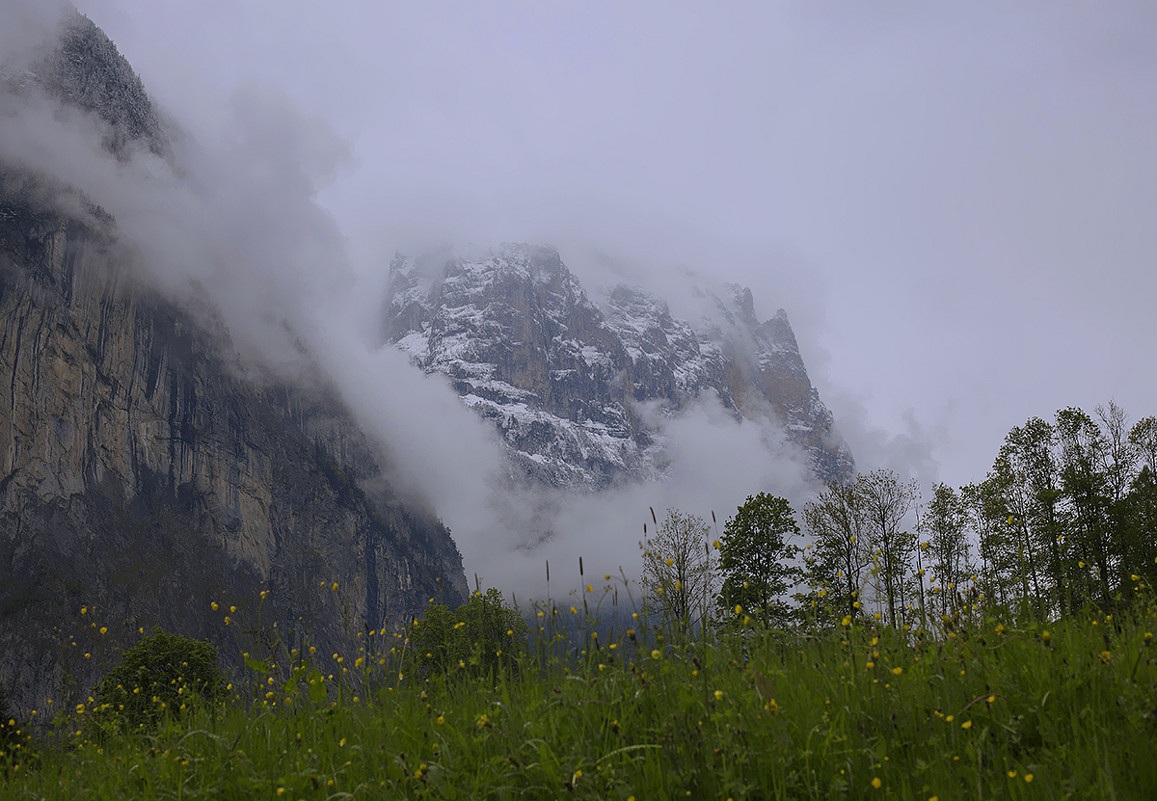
point(145, 472)
point(574, 387)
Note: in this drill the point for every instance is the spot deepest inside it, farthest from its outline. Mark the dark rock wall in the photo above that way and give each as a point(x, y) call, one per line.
point(145, 473)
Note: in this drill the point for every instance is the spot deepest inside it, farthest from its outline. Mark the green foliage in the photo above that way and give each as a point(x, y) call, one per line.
point(756, 559)
point(160, 677)
point(945, 554)
point(483, 636)
point(1065, 516)
point(1139, 522)
point(837, 557)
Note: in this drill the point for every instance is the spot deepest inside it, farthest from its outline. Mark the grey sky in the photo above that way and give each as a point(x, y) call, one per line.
point(955, 203)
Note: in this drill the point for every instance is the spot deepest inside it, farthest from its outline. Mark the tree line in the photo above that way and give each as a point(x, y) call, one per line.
point(1065, 518)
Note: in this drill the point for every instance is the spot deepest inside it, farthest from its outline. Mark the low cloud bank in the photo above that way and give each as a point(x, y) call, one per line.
point(234, 214)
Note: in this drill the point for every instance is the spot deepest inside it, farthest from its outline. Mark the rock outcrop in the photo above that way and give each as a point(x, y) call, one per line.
point(145, 473)
point(573, 387)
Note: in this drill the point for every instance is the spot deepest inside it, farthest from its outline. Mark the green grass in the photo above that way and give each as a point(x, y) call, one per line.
point(988, 713)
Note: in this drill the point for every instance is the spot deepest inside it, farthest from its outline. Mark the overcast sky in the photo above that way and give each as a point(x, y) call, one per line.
point(956, 203)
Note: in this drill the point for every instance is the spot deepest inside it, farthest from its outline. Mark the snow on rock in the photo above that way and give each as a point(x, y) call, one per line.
point(565, 381)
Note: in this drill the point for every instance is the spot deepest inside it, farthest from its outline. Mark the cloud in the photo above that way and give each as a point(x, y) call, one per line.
point(953, 204)
point(716, 462)
point(27, 28)
point(235, 213)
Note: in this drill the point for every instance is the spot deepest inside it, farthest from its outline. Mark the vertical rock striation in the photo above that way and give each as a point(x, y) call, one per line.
point(144, 471)
point(567, 383)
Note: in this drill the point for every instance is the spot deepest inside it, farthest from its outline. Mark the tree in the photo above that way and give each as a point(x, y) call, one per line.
point(1086, 482)
point(1033, 476)
point(756, 558)
point(1143, 436)
point(1011, 549)
point(999, 583)
point(476, 635)
point(886, 501)
point(158, 677)
point(837, 556)
point(1139, 524)
point(678, 570)
point(947, 546)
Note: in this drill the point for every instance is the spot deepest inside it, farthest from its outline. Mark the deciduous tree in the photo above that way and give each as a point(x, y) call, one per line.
point(837, 556)
point(678, 570)
point(757, 558)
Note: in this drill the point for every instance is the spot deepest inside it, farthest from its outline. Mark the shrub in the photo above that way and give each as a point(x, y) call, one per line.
point(483, 635)
point(162, 675)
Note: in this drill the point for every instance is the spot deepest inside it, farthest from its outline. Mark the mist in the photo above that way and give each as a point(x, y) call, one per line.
point(234, 216)
point(953, 205)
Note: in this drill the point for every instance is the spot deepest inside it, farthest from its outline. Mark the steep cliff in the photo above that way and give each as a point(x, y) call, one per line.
point(144, 471)
point(574, 387)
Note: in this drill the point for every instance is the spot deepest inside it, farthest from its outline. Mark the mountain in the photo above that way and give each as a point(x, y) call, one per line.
point(578, 390)
point(145, 470)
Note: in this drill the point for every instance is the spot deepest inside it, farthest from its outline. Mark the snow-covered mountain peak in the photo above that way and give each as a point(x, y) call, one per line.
point(566, 382)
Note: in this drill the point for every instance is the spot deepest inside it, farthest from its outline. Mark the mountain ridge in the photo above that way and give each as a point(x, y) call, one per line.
point(569, 384)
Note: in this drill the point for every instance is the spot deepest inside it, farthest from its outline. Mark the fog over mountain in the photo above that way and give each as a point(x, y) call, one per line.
point(953, 205)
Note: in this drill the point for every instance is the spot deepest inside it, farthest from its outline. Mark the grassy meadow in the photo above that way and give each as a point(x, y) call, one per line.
point(972, 710)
